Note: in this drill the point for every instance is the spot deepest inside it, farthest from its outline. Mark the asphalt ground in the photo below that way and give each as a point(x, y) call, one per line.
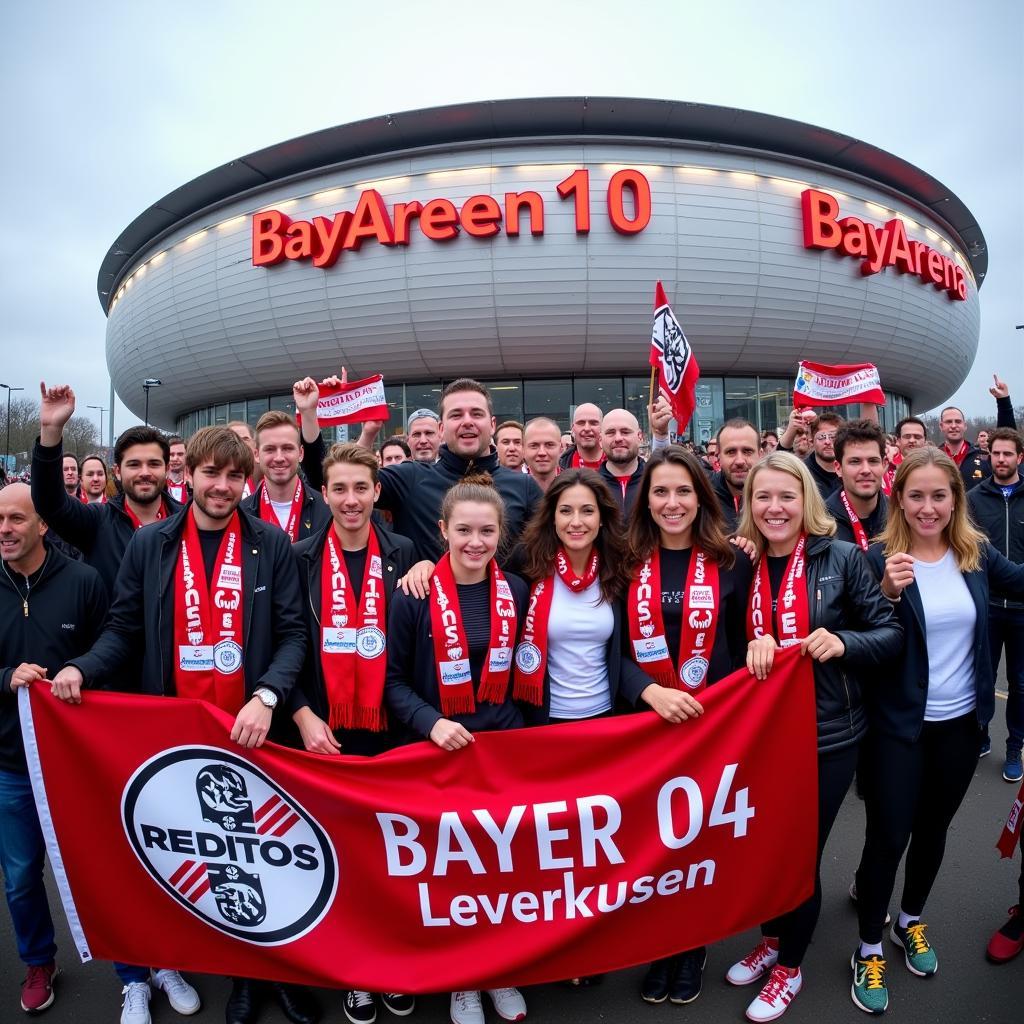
point(968, 903)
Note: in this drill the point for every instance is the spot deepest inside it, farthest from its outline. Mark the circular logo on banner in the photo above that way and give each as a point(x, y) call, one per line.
point(527, 657)
point(232, 847)
point(227, 657)
point(370, 642)
point(693, 672)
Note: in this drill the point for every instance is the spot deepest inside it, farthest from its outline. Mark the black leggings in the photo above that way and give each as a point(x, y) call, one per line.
point(795, 929)
point(914, 790)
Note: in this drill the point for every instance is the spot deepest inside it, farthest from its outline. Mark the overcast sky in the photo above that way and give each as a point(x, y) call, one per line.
point(108, 107)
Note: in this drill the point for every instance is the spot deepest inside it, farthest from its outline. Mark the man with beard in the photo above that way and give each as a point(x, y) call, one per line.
point(424, 434)
point(100, 531)
point(822, 459)
point(738, 443)
point(508, 439)
point(587, 451)
point(997, 507)
point(541, 446)
point(622, 468)
point(177, 488)
point(215, 563)
point(69, 465)
point(858, 507)
point(95, 485)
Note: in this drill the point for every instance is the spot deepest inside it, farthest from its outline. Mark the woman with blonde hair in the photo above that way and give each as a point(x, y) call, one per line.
point(936, 569)
point(816, 592)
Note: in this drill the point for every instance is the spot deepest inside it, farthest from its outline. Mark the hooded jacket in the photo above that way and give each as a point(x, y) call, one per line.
point(625, 499)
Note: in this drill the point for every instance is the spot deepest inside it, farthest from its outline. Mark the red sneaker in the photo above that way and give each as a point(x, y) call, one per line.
point(1003, 947)
point(37, 988)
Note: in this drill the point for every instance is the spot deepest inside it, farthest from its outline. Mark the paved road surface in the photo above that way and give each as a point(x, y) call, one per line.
point(970, 901)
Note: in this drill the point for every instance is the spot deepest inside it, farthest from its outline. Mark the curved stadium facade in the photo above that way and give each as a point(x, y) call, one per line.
point(518, 242)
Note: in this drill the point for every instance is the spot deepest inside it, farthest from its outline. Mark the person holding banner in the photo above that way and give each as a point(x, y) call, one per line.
point(449, 669)
point(816, 592)
point(685, 614)
point(936, 568)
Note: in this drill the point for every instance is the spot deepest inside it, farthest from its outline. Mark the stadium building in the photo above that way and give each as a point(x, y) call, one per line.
point(519, 242)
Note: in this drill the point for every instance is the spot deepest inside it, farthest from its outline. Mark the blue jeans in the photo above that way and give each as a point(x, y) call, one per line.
point(1006, 627)
point(22, 855)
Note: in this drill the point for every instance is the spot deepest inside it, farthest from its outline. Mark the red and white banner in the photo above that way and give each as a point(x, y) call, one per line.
point(528, 856)
point(678, 371)
point(818, 384)
point(1010, 835)
point(355, 402)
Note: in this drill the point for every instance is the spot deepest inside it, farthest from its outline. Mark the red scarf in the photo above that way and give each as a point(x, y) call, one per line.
point(248, 488)
point(1011, 830)
point(268, 515)
point(136, 522)
point(179, 492)
point(580, 463)
point(352, 642)
point(960, 455)
point(532, 652)
point(793, 616)
point(859, 533)
point(700, 619)
point(208, 620)
point(451, 649)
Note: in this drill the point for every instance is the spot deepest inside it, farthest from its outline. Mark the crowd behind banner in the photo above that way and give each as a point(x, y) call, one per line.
point(471, 576)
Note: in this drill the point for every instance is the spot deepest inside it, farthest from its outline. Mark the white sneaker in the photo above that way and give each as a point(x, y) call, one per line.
point(466, 1008)
point(761, 959)
point(184, 999)
point(135, 1008)
point(508, 1002)
point(774, 999)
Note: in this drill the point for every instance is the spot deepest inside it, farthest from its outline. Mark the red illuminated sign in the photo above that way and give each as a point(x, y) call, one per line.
point(877, 247)
point(276, 237)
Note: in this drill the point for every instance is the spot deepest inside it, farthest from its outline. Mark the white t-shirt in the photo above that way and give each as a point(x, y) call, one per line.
point(949, 618)
point(578, 632)
point(282, 509)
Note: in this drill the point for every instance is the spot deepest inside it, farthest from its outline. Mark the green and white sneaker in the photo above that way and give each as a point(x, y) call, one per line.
point(917, 950)
point(868, 990)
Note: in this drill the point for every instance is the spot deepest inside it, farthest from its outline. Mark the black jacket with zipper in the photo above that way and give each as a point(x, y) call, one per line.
point(101, 531)
point(136, 649)
point(396, 557)
point(59, 615)
point(844, 598)
point(1002, 521)
point(626, 500)
point(730, 504)
point(897, 705)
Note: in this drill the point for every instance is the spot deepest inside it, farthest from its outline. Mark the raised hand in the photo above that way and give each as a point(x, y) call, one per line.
point(999, 389)
point(56, 407)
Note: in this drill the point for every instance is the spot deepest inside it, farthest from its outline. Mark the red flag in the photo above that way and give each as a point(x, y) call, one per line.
point(532, 855)
point(1011, 830)
point(677, 365)
point(355, 402)
point(820, 384)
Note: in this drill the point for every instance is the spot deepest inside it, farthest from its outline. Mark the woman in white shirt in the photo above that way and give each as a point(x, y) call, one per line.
point(927, 712)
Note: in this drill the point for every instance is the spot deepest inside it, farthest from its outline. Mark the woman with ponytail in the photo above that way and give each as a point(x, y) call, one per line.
point(450, 656)
point(685, 607)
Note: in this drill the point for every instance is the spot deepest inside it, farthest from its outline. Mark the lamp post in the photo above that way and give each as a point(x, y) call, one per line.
point(7, 444)
point(102, 410)
point(150, 382)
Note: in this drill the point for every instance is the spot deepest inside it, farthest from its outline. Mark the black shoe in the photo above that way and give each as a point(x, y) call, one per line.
point(360, 1007)
point(398, 1004)
point(685, 985)
point(654, 988)
point(297, 1003)
point(243, 1006)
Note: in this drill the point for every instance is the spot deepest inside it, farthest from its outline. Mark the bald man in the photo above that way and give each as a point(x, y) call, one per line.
point(622, 468)
point(51, 610)
point(586, 453)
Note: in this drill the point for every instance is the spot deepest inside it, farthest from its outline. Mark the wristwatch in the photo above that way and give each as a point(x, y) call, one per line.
point(267, 697)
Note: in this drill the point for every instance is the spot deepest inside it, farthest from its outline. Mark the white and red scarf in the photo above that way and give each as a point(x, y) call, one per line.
point(352, 638)
point(179, 492)
point(1011, 830)
point(268, 515)
point(578, 462)
point(960, 455)
point(451, 648)
point(701, 605)
point(532, 652)
point(208, 620)
point(249, 487)
point(859, 533)
point(793, 618)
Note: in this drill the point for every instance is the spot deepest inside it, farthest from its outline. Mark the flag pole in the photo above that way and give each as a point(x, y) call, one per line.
point(654, 373)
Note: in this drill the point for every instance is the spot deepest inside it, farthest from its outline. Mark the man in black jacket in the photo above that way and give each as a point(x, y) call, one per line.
point(244, 656)
point(973, 462)
point(100, 531)
point(738, 444)
point(997, 507)
point(51, 608)
point(859, 507)
point(622, 468)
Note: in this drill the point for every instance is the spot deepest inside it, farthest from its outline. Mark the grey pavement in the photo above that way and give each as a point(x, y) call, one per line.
point(969, 902)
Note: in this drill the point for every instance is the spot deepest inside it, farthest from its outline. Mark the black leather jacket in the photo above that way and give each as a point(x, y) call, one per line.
point(845, 599)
